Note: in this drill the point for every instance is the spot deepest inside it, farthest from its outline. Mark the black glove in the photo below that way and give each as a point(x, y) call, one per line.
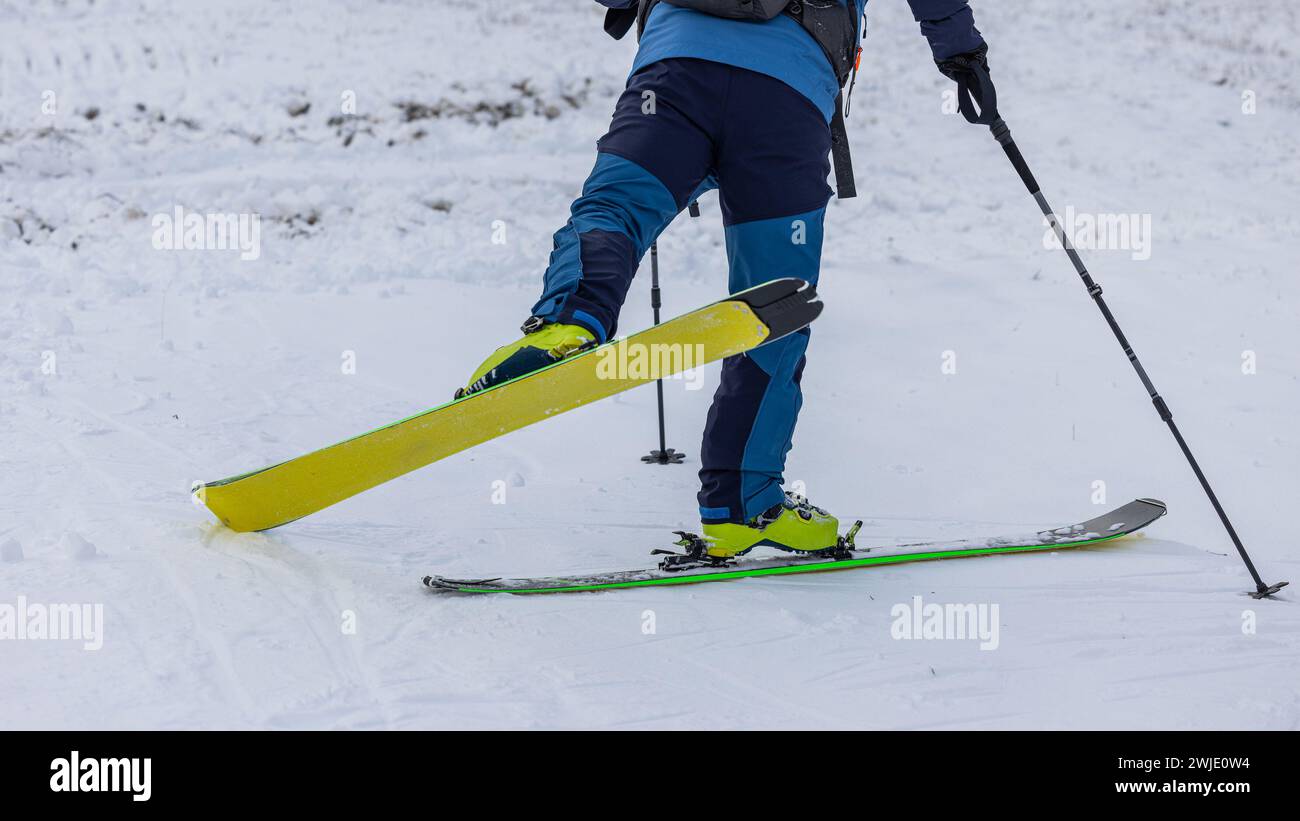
point(958, 66)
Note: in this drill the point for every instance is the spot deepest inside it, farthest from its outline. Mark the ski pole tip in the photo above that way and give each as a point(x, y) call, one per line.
point(1266, 591)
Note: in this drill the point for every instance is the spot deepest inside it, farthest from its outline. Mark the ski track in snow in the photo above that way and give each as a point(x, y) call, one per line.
point(377, 235)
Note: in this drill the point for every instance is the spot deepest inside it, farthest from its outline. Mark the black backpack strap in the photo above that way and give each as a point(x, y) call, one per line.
point(619, 22)
point(844, 185)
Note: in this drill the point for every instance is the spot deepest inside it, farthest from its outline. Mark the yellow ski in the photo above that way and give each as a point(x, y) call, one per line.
point(281, 493)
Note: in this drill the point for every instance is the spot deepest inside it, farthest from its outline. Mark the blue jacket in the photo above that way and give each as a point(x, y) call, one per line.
point(780, 47)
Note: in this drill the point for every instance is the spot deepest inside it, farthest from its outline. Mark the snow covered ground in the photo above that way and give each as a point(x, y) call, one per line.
point(127, 373)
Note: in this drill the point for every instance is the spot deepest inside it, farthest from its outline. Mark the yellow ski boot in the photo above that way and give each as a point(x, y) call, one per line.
point(795, 525)
point(541, 345)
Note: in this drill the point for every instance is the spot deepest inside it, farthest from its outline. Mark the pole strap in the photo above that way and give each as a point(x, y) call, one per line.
point(976, 98)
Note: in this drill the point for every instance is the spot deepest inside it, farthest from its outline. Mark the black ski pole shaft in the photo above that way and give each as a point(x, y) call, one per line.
point(662, 456)
point(659, 386)
point(986, 99)
point(655, 304)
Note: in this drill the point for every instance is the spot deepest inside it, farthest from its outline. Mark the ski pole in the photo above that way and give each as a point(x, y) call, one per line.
point(984, 96)
point(664, 455)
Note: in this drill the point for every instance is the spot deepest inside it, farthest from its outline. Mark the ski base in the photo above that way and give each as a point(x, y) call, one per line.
point(1119, 522)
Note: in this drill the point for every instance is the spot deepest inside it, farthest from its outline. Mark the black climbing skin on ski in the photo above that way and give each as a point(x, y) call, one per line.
point(784, 305)
point(692, 565)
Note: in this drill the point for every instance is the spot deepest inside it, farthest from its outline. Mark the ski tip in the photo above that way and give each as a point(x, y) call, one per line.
point(443, 583)
point(1164, 508)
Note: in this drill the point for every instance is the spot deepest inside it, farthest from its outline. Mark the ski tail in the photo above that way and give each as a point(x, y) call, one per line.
point(783, 305)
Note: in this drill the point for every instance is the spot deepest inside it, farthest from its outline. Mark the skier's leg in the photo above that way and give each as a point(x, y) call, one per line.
point(656, 158)
point(772, 180)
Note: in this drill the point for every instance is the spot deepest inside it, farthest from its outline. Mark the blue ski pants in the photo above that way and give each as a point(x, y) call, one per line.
point(683, 127)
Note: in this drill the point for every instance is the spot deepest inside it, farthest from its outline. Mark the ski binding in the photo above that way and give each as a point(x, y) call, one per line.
point(696, 552)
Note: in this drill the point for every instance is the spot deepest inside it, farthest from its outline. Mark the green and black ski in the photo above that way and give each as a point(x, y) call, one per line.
point(692, 567)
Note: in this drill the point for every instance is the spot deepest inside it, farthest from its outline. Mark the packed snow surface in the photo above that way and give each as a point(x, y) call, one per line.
point(409, 161)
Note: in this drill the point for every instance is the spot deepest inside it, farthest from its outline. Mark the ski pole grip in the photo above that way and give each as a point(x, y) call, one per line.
point(976, 89)
point(1003, 135)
